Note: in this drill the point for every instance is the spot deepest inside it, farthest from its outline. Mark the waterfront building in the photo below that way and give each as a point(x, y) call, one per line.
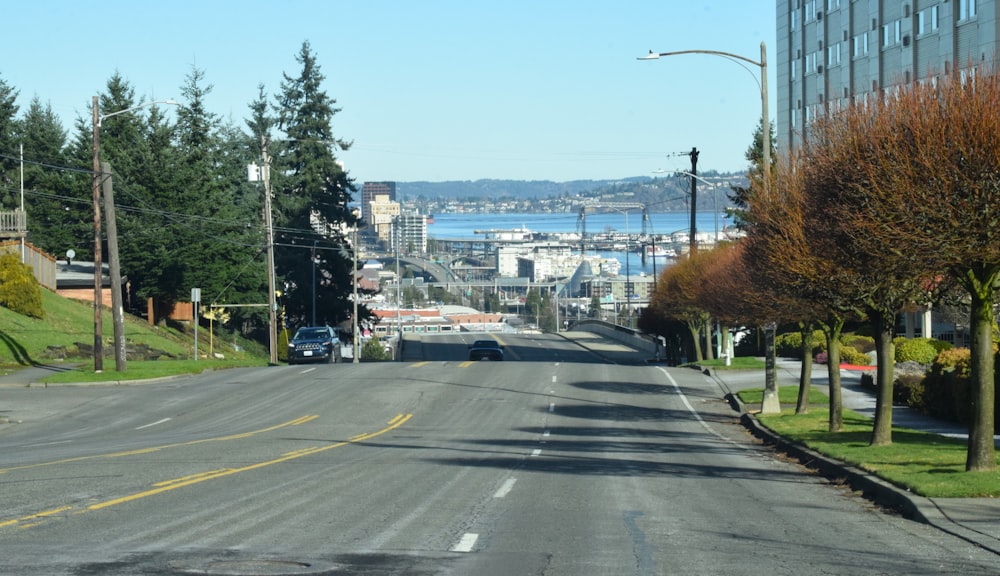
point(831, 53)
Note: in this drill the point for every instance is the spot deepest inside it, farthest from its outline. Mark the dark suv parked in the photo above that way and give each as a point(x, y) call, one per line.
point(314, 344)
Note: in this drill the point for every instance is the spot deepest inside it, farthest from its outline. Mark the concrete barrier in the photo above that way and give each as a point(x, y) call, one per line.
point(632, 338)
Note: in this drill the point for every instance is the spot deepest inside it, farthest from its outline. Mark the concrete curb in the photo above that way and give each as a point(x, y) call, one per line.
point(871, 487)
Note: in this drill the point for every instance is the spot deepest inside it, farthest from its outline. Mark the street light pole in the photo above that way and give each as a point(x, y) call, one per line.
point(765, 119)
point(770, 404)
point(354, 281)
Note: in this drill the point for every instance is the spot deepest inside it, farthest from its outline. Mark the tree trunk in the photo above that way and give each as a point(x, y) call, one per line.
point(695, 328)
point(709, 349)
point(981, 455)
point(833, 329)
point(884, 325)
point(805, 374)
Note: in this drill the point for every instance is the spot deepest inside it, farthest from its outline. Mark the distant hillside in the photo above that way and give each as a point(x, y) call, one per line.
point(516, 189)
point(666, 193)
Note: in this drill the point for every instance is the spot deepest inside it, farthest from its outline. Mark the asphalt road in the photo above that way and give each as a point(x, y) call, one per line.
point(552, 462)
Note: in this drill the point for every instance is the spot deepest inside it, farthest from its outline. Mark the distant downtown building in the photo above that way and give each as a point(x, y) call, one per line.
point(369, 191)
point(833, 52)
point(411, 234)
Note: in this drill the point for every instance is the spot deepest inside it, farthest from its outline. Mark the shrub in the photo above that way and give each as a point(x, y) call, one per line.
point(948, 393)
point(374, 351)
point(953, 360)
point(863, 344)
point(940, 345)
point(909, 390)
point(19, 290)
point(851, 355)
point(915, 350)
point(789, 344)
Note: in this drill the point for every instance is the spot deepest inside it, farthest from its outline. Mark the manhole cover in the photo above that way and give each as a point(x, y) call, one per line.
point(254, 568)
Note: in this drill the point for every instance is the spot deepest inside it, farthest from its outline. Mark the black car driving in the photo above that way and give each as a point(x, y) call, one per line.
point(486, 350)
point(314, 344)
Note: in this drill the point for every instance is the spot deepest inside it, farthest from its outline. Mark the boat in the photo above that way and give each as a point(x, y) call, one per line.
point(657, 252)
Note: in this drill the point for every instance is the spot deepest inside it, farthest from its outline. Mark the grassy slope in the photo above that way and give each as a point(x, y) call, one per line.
point(24, 340)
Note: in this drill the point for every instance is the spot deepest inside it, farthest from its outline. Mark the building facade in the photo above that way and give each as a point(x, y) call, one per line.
point(371, 190)
point(830, 53)
point(411, 234)
point(382, 211)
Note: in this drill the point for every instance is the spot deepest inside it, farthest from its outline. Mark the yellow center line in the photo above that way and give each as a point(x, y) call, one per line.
point(169, 485)
point(296, 422)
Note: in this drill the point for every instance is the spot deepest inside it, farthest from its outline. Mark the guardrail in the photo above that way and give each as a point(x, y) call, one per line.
point(633, 338)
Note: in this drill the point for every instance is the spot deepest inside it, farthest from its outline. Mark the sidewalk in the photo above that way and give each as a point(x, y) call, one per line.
point(975, 520)
point(32, 375)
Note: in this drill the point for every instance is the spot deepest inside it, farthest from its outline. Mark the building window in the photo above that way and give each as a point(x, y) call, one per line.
point(966, 9)
point(860, 49)
point(891, 34)
point(927, 21)
point(832, 4)
point(833, 55)
point(794, 62)
point(812, 61)
point(793, 23)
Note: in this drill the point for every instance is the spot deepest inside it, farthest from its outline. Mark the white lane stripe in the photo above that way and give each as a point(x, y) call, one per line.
point(696, 414)
point(536, 452)
point(552, 407)
point(466, 544)
point(553, 379)
point(47, 444)
point(508, 485)
point(546, 434)
point(153, 424)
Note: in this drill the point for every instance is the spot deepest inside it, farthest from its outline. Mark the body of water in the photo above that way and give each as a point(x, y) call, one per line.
point(465, 227)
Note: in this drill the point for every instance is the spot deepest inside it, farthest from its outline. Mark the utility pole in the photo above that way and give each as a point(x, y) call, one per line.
point(694, 200)
point(98, 275)
point(117, 309)
point(272, 305)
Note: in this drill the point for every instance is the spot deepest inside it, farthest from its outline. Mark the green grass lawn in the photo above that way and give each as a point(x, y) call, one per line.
point(737, 363)
point(927, 464)
point(147, 369)
point(24, 341)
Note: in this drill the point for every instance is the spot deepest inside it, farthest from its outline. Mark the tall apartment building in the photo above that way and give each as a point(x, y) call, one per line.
point(369, 190)
point(411, 234)
point(832, 52)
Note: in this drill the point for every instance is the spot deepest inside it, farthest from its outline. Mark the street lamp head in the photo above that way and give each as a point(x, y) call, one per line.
point(651, 56)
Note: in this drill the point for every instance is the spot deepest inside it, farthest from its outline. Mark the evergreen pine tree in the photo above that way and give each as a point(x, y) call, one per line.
point(311, 196)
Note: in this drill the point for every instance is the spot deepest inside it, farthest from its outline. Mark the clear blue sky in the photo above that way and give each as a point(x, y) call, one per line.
point(432, 89)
